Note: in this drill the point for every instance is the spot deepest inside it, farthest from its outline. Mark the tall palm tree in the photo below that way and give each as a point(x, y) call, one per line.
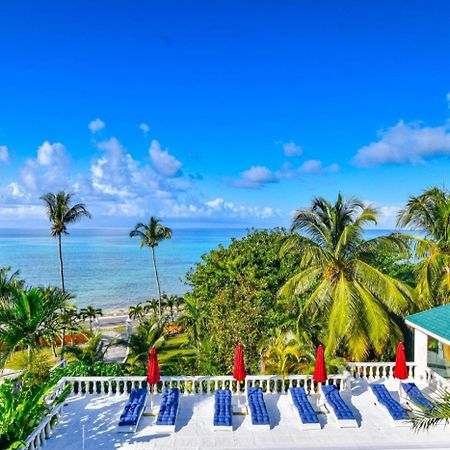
point(61, 213)
point(430, 213)
point(357, 301)
point(28, 318)
point(91, 313)
point(151, 235)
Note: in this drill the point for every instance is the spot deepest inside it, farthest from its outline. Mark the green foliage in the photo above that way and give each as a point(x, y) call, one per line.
point(21, 409)
point(430, 213)
point(91, 353)
point(28, 318)
point(149, 332)
point(358, 302)
point(440, 414)
point(84, 369)
point(234, 296)
point(10, 283)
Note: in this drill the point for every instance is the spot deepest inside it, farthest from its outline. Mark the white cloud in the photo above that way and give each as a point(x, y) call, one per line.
point(49, 170)
point(315, 167)
point(292, 149)
point(163, 162)
point(4, 154)
point(405, 143)
point(96, 125)
point(255, 177)
point(144, 128)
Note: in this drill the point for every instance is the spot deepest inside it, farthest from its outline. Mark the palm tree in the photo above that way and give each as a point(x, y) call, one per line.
point(136, 312)
point(90, 313)
point(10, 283)
point(440, 413)
point(192, 319)
point(282, 355)
point(94, 351)
point(151, 235)
point(356, 300)
point(147, 334)
point(28, 318)
point(151, 306)
point(61, 213)
point(170, 301)
point(430, 213)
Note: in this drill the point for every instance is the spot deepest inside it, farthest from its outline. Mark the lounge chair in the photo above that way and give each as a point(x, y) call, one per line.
point(341, 412)
point(258, 410)
point(308, 417)
point(168, 411)
point(390, 406)
point(132, 411)
point(415, 398)
point(223, 412)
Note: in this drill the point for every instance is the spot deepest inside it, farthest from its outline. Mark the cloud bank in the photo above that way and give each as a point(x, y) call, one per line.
point(405, 143)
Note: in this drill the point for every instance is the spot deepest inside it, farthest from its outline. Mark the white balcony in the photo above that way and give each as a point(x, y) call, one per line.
point(92, 412)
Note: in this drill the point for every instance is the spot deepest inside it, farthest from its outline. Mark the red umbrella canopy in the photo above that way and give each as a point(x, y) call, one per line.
point(153, 375)
point(239, 366)
point(400, 369)
point(320, 371)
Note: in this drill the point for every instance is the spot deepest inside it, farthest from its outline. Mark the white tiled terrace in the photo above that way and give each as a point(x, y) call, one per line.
point(99, 414)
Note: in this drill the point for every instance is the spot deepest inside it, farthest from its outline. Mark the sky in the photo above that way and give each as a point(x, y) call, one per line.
point(223, 113)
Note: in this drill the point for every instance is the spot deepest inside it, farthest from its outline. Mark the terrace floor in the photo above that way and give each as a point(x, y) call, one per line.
point(100, 414)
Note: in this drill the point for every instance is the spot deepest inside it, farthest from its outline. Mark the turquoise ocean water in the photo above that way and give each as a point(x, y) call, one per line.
point(106, 268)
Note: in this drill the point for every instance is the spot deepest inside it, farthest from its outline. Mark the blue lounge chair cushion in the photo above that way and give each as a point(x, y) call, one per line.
point(304, 408)
point(133, 407)
point(383, 396)
point(415, 394)
point(258, 410)
point(340, 408)
point(169, 406)
point(222, 408)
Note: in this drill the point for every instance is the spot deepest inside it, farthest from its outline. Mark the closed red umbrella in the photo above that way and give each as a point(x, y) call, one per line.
point(239, 367)
point(320, 371)
point(400, 369)
point(153, 375)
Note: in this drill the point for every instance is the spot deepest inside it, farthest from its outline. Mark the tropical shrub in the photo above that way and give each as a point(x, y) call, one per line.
point(234, 296)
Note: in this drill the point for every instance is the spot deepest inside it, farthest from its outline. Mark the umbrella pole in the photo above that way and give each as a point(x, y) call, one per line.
point(238, 389)
point(152, 387)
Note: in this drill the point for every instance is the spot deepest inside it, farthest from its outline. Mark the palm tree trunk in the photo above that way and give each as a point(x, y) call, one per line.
point(157, 284)
point(63, 338)
point(61, 264)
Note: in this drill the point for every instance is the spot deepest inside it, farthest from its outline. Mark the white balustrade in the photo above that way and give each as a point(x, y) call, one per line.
point(373, 371)
point(205, 385)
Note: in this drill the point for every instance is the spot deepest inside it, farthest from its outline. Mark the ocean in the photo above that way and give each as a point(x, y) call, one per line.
point(105, 268)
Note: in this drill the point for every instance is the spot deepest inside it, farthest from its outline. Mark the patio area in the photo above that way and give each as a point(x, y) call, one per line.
point(98, 416)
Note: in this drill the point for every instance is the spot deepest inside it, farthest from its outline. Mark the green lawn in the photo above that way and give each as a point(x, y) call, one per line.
point(18, 360)
point(173, 348)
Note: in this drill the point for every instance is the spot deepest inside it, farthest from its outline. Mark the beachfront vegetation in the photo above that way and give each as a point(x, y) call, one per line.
point(430, 213)
point(359, 302)
point(61, 213)
point(279, 293)
point(90, 312)
point(31, 318)
point(151, 235)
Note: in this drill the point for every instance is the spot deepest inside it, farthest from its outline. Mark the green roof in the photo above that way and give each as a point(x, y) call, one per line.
point(435, 320)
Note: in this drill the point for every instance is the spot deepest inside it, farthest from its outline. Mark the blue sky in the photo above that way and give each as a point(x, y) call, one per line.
point(221, 113)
